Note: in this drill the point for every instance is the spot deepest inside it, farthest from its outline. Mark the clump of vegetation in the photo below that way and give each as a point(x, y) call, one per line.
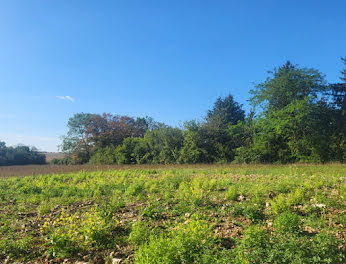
point(288, 222)
point(280, 204)
point(73, 233)
point(232, 193)
point(184, 243)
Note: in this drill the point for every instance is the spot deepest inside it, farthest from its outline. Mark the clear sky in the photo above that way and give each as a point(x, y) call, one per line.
point(166, 59)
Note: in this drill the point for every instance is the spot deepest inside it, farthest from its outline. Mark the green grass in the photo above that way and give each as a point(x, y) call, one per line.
point(207, 214)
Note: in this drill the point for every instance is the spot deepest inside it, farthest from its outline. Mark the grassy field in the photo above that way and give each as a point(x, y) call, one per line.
point(176, 214)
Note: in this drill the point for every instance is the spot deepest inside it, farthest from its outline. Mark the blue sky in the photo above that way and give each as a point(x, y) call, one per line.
point(166, 59)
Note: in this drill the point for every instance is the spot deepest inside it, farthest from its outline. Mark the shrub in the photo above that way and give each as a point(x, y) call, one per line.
point(105, 155)
point(287, 222)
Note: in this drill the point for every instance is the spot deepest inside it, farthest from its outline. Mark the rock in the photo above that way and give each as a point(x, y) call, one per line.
point(241, 198)
point(116, 261)
point(319, 205)
point(7, 260)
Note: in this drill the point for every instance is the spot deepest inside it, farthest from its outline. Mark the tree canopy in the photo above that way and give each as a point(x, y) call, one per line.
point(299, 118)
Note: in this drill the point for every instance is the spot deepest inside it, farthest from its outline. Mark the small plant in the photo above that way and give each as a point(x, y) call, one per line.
point(280, 205)
point(254, 247)
point(152, 211)
point(253, 212)
point(185, 243)
point(140, 234)
point(44, 208)
point(232, 193)
point(287, 222)
point(72, 233)
point(296, 197)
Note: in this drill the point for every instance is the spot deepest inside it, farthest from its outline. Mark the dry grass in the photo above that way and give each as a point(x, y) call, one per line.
point(29, 170)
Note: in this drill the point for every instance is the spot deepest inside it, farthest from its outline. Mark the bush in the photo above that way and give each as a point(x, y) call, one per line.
point(105, 155)
point(287, 222)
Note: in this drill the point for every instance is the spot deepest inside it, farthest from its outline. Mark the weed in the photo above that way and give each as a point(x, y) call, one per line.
point(288, 222)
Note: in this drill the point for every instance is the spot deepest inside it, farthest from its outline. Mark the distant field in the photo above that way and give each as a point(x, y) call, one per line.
point(174, 214)
point(30, 170)
point(53, 155)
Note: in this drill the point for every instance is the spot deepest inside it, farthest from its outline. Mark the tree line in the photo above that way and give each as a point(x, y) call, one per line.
point(20, 155)
point(296, 116)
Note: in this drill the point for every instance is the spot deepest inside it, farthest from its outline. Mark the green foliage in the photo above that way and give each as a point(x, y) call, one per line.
point(126, 152)
point(176, 215)
point(73, 233)
point(232, 193)
point(297, 197)
point(185, 243)
point(140, 234)
point(254, 246)
point(280, 204)
point(287, 222)
point(20, 155)
point(250, 211)
point(16, 248)
point(62, 161)
point(105, 155)
point(299, 118)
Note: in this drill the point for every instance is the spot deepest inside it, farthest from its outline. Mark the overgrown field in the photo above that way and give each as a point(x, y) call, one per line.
point(230, 214)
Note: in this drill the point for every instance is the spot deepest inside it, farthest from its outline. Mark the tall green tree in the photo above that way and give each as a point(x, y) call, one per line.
point(287, 99)
point(217, 141)
point(336, 93)
point(76, 139)
point(286, 84)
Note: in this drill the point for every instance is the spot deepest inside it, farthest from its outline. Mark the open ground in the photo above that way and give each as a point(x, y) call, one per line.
point(173, 214)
